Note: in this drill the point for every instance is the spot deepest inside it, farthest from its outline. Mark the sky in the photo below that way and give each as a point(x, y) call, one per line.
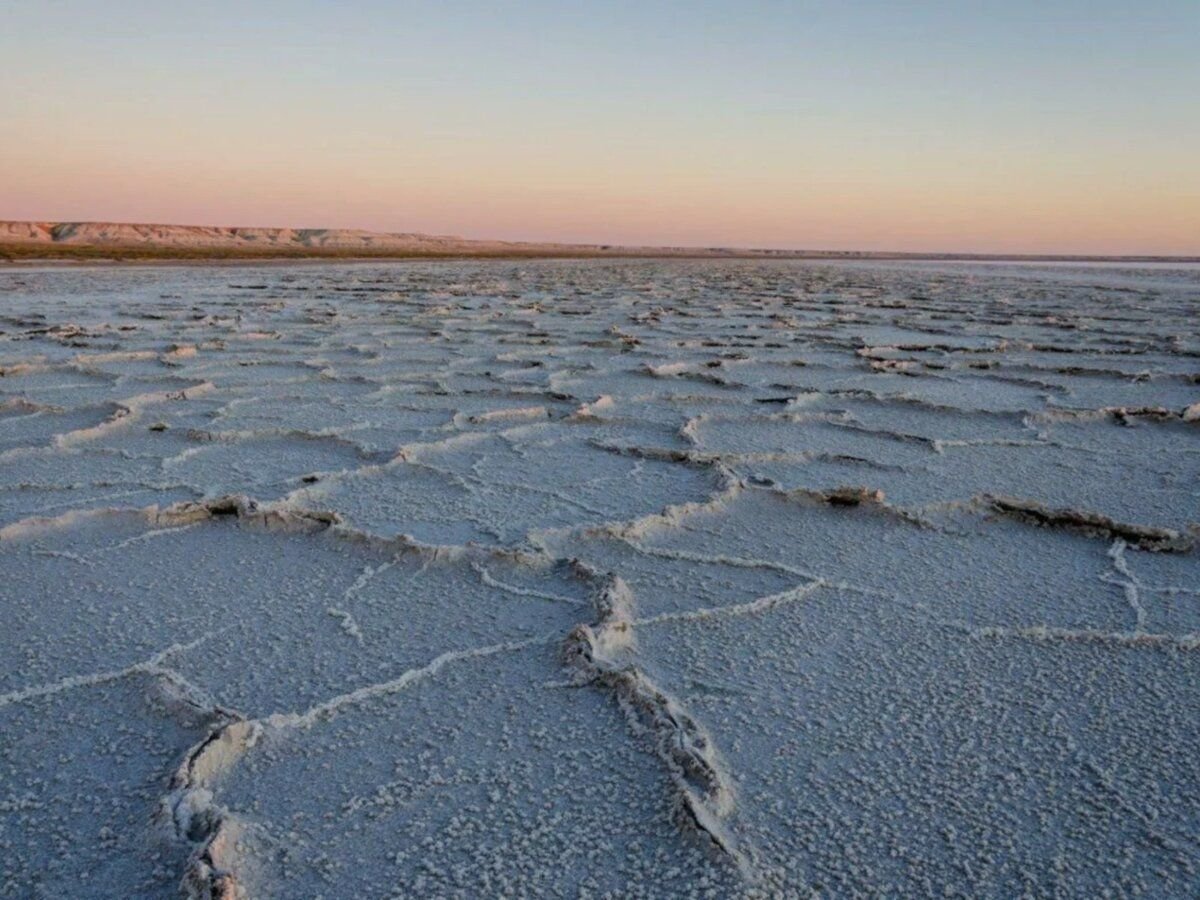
point(974, 126)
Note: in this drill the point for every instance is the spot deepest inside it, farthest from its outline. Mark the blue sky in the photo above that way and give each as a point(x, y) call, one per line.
point(1059, 126)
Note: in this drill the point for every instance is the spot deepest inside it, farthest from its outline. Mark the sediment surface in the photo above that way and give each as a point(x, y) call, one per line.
point(600, 578)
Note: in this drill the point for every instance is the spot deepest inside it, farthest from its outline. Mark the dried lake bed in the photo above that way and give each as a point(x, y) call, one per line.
point(600, 578)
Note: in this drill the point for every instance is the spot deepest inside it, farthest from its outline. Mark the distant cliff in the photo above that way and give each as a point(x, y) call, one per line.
point(113, 239)
point(115, 234)
point(116, 240)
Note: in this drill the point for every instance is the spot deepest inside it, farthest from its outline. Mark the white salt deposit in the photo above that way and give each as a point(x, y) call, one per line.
point(600, 578)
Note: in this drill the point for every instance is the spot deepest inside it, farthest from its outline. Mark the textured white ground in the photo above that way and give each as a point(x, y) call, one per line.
point(600, 579)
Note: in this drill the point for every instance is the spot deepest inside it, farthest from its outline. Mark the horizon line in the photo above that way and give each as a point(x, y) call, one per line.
point(450, 245)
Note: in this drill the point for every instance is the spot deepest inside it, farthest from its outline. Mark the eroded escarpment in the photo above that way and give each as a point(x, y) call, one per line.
point(313, 543)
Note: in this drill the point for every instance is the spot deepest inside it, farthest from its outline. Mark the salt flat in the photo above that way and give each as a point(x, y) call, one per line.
point(600, 578)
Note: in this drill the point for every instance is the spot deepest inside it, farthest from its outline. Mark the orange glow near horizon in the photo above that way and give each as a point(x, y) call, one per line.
point(923, 212)
point(947, 133)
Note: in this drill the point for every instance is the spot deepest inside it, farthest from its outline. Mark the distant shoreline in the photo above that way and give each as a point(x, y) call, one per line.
point(20, 254)
point(124, 242)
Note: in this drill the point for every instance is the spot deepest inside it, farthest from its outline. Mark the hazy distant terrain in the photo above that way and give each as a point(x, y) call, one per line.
point(25, 239)
point(111, 240)
point(631, 578)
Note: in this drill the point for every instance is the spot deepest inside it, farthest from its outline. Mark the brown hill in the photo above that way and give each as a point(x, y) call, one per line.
point(119, 240)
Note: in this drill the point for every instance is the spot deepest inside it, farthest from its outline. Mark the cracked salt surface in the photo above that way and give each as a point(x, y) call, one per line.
point(600, 578)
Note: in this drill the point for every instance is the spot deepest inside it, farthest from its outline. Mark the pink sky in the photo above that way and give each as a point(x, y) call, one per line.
point(662, 204)
point(875, 128)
